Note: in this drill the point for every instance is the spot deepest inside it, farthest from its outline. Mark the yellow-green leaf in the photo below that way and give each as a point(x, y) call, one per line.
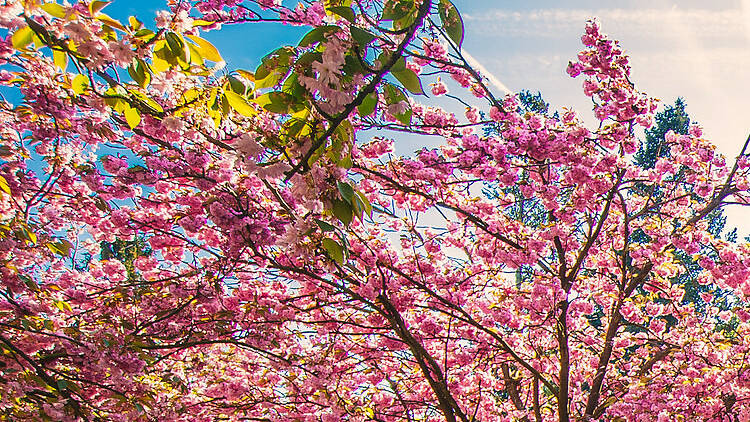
point(54, 9)
point(147, 100)
point(247, 75)
point(97, 5)
point(28, 234)
point(205, 48)
point(61, 248)
point(22, 37)
point(63, 306)
point(195, 56)
point(201, 22)
point(335, 251)
point(79, 84)
point(135, 23)
point(132, 117)
point(367, 107)
point(239, 104)
point(409, 80)
point(60, 59)
point(4, 185)
point(112, 22)
point(343, 211)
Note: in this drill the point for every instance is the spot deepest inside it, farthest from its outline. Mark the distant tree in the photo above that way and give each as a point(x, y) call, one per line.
point(673, 118)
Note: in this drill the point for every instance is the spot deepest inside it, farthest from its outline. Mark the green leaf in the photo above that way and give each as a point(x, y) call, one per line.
point(398, 66)
point(334, 249)
point(132, 116)
point(343, 211)
point(274, 67)
point(394, 95)
point(308, 59)
point(276, 102)
point(325, 226)
point(292, 86)
point(397, 9)
point(409, 80)
point(28, 234)
point(143, 33)
point(175, 44)
point(405, 117)
point(29, 282)
point(362, 199)
point(61, 247)
point(137, 71)
point(205, 48)
point(346, 162)
point(345, 12)
point(270, 78)
point(239, 104)
point(452, 22)
point(146, 100)
point(22, 38)
point(361, 36)
point(368, 105)
point(294, 126)
point(317, 35)
point(346, 191)
point(236, 85)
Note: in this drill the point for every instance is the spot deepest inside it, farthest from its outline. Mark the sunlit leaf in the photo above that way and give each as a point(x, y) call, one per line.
point(80, 84)
point(22, 38)
point(111, 22)
point(132, 116)
point(96, 6)
point(205, 48)
point(54, 9)
point(239, 104)
point(4, 185)
point(60, 59)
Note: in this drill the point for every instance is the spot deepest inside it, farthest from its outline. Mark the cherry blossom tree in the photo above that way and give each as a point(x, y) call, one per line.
point(182, 241)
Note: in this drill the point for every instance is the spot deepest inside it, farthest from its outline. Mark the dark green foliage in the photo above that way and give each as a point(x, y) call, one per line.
point(533, 102)
point(673, 118)
point(126, 251)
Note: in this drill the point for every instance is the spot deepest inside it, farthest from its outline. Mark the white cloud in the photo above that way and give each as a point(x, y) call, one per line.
point(551, 22)
point(486, 73)
point(699, 54)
